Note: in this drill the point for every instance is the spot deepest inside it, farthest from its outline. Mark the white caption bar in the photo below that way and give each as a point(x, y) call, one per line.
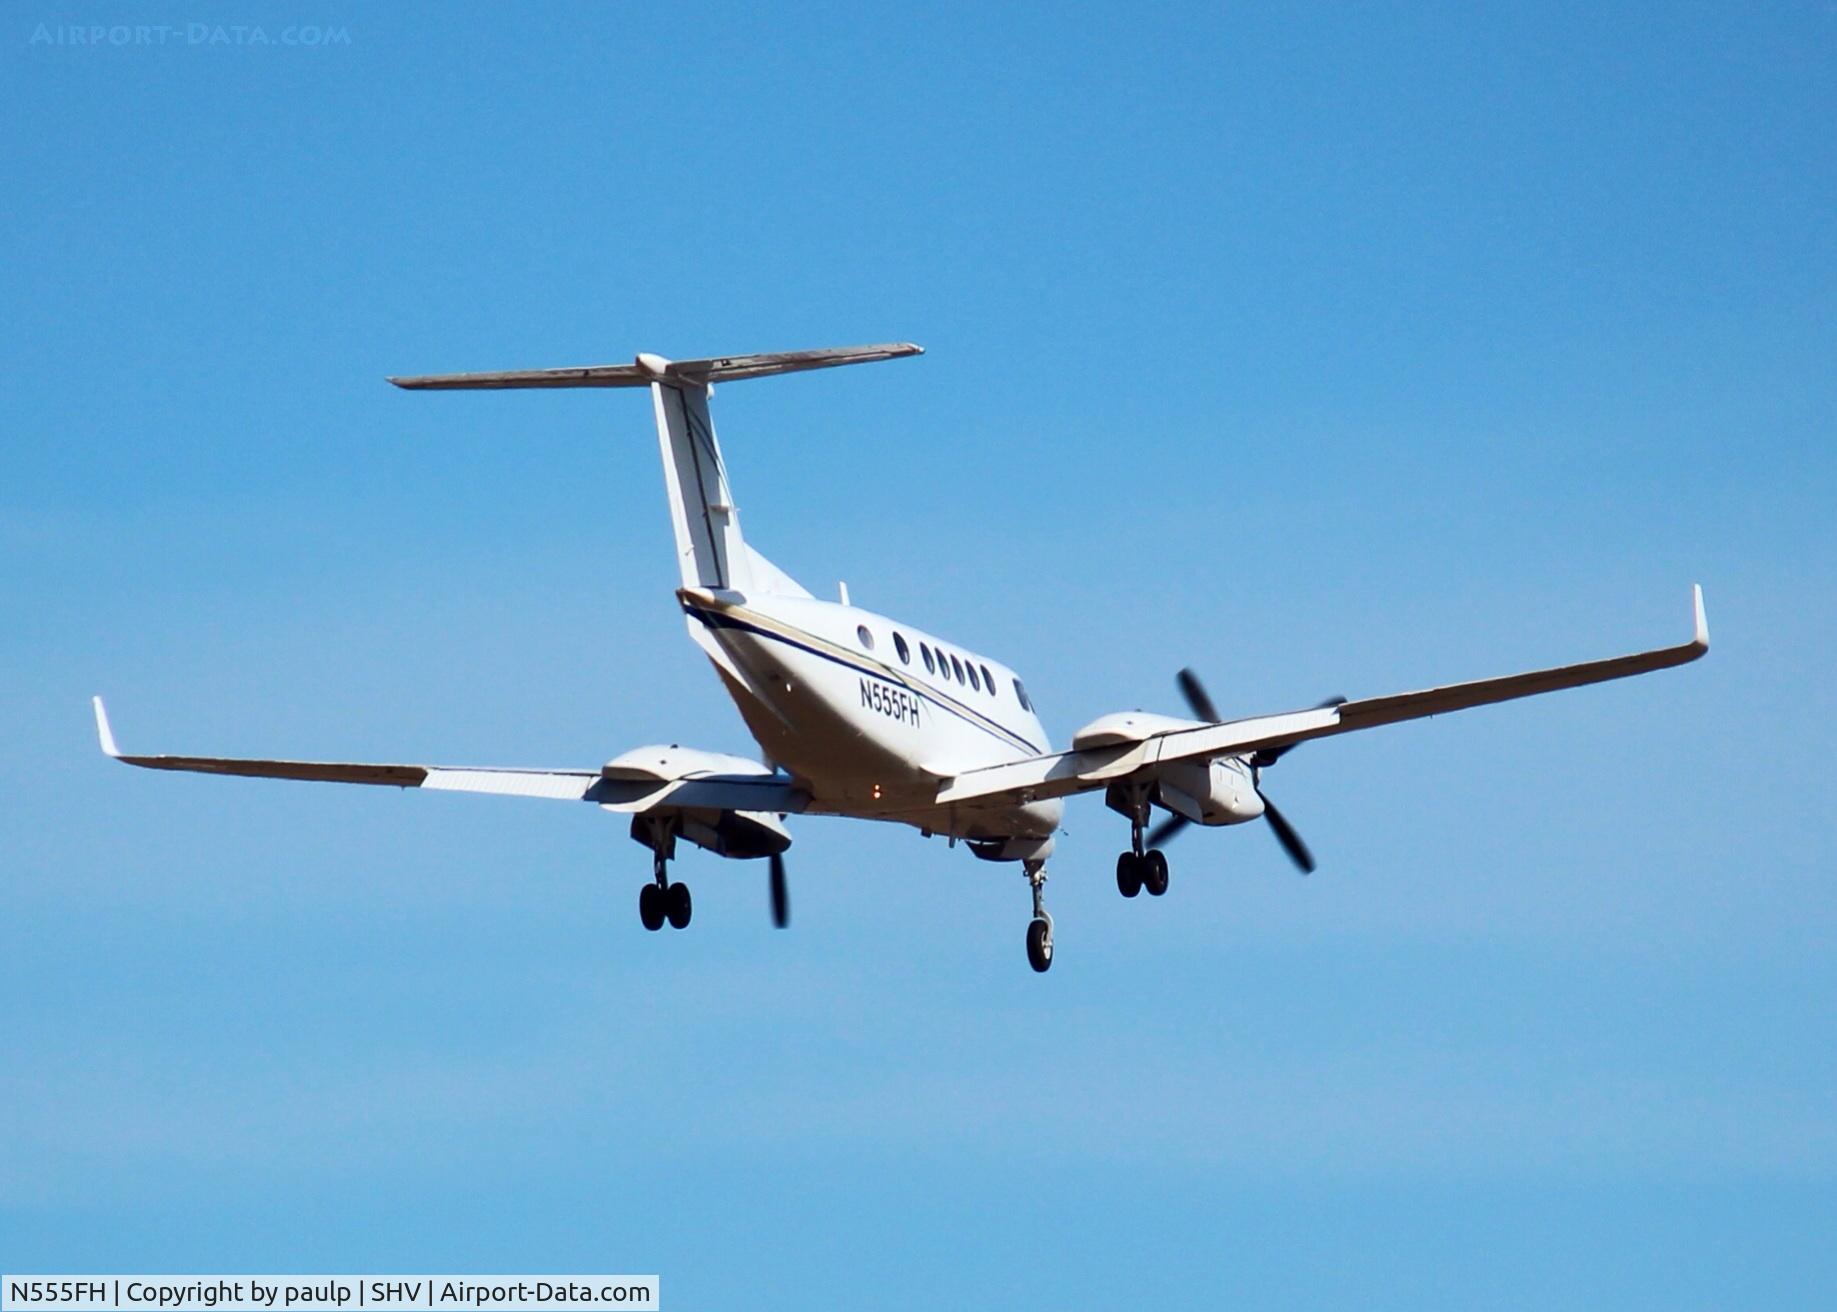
point(328, 1293)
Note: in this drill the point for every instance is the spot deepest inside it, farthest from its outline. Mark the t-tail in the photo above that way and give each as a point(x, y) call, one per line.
point(710, 551)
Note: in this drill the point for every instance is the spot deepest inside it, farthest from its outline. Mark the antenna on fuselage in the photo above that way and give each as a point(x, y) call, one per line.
point(842, 591)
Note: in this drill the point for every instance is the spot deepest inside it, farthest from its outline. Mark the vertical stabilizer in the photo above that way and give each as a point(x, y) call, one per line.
point(709, 549)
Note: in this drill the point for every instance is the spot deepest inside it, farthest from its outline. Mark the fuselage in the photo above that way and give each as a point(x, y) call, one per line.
point(869, 713)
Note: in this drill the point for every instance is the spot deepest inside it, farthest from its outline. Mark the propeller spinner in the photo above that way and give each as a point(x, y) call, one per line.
point(1203, 707)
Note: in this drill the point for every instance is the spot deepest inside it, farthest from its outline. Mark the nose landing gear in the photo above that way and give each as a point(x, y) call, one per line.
point(1039, 929)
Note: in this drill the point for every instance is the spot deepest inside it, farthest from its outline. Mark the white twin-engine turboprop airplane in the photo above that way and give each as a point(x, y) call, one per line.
point(868, 717)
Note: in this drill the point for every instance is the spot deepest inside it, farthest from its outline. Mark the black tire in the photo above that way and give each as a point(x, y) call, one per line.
point(1039, 946)
point(650, 906)
point(1128, 874)
point(677, 906)
point(1154, 872)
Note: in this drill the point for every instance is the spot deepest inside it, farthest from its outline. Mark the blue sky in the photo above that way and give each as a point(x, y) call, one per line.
point(1328, 350)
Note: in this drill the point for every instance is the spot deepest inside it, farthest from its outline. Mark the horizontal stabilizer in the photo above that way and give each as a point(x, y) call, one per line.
point(648, 369)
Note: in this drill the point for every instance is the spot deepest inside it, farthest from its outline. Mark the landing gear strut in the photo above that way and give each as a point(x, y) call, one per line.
point(660, 900)
point(1139, 869)
point(1039, 930)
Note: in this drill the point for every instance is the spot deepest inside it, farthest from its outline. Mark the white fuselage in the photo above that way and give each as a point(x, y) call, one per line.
point(869, 714)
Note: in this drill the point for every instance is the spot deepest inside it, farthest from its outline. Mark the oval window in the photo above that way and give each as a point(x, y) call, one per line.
point(974, 681)
point(899, 645)
point(1020, 691)
point(926, 653)
point(956, 667)
point(866, 638)
point(988, 680)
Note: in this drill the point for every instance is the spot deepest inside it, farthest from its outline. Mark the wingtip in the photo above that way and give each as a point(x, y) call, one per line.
point(103, 732)
point(1701, 640)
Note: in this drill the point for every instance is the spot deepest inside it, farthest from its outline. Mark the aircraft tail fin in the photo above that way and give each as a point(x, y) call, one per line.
point(710, 551)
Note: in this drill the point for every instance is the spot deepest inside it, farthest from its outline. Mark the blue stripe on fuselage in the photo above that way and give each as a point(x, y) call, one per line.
point(719, 620)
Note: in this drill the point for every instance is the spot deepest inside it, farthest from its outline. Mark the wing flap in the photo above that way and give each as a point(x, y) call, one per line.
point(562, 785)
point(745, 793)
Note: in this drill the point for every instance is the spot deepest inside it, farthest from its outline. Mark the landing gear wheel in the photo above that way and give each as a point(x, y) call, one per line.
point(1154, 872)
point(1128, 874)
point(650, 906)
point(1039, 945)
point(676, 905)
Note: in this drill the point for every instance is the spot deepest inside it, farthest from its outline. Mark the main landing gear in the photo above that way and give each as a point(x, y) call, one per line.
point(1146, 871)
point(1142, 866)
point(660, 900)
point(1137, 869)
point(1039, 930)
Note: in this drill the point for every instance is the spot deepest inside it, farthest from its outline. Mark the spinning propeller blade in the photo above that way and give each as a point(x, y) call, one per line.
point(1286, 835)
point(1166, 830)
point(781, 895)
point(1196, 696)
point(1270, 755)
point(1201, 702)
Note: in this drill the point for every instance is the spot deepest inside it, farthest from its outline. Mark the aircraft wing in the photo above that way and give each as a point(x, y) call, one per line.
point(701, 791)
point(1077, 771)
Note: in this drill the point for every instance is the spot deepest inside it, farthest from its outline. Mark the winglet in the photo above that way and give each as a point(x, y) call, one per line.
point(1701, 641)
point(103, 731)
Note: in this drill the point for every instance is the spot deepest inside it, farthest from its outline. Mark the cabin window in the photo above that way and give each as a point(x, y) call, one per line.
point(899, 645)
point(974, 681)
point(988, 680)
point(926, 653)
point(957, 668)
point(1020, 691)
point(866, 638)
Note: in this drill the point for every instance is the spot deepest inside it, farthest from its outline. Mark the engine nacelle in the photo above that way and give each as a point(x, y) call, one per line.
point(725, 832)
point(672, 762)
point(1220, 792)
point(1011, 849)
point(1123, 728)
point(740, 835)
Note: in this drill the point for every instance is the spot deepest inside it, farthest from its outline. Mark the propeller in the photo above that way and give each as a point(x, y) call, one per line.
point(1161, 833)
point(781, 895)
point(1196, 696)
point(1286, 835)
point(1202, 705)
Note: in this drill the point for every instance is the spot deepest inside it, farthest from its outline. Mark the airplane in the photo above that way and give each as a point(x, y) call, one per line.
point(860, 715)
